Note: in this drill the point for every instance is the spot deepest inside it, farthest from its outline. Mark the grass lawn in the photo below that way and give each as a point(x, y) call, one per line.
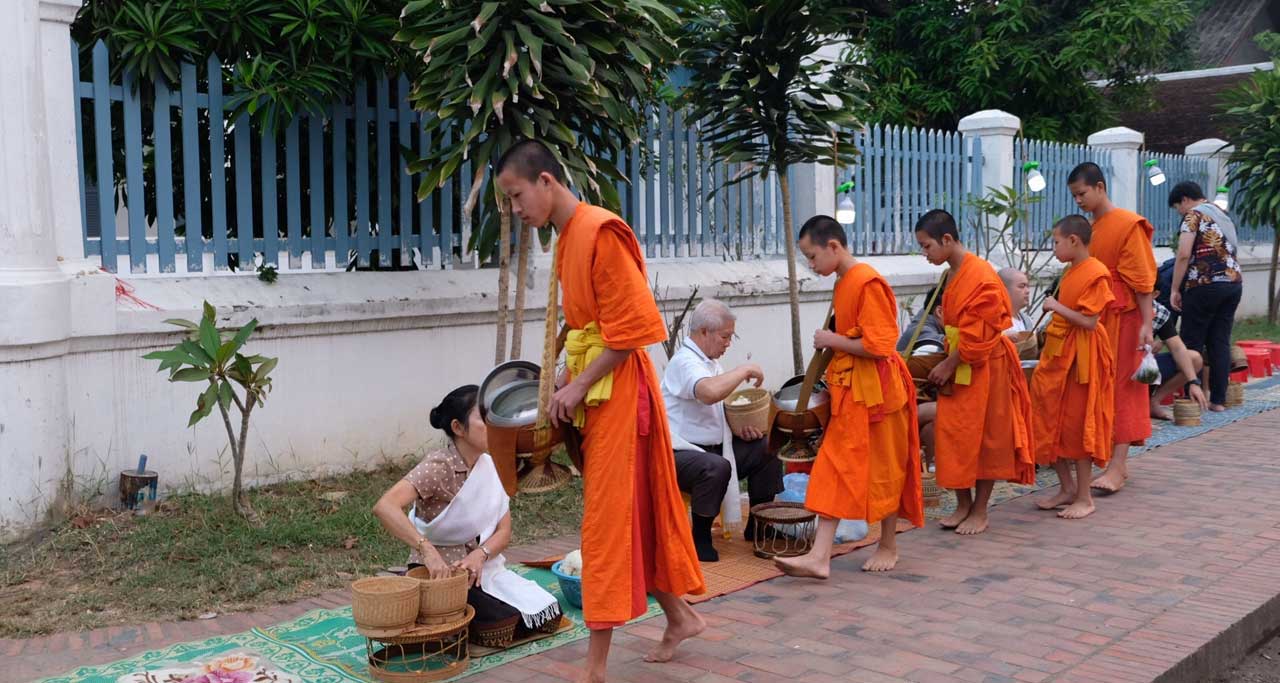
point(1255, 328)
point(194, 555)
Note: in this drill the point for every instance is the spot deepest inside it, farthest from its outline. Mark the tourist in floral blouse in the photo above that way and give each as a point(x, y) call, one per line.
point(1213, 283)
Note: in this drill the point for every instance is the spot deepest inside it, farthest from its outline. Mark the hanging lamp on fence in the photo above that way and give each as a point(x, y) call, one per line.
point(845, 212)
point(1221, 199)
point(1035, 181)
point(1154, 174)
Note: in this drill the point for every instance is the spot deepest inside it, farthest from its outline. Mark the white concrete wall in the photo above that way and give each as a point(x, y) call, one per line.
point(363, 358)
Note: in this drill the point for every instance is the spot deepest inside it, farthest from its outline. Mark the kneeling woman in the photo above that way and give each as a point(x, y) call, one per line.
point(460, 519)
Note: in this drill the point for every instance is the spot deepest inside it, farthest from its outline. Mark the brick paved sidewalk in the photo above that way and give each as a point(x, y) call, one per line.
point(1168, 581)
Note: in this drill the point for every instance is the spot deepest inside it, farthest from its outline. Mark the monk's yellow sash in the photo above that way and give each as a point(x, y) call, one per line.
point(964, 371)
point(581, 348)
point(859, 374)
point(1055, 335)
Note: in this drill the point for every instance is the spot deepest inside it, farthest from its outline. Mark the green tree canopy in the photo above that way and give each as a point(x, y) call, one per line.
point(932, 62)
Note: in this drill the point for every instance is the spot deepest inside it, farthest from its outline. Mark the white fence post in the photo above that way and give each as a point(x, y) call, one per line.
point(1215, 151)
point(34, 294)
point(813, 191)
point(1122, 186)
point(59, 98)
point(996, 129)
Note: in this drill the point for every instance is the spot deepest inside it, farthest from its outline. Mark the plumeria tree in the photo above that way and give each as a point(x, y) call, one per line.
point(230, 378)
point(572, 73)
point(761, 90)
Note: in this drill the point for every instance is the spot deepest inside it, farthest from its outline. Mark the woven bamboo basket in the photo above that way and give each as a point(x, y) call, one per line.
point(441, 600)
point(498, 634)
point(1027, 345)
point(932, 494)
point(423, 656)
point(753, 413)
point(384, 605)
point(1186, 413)
point(1235, 394)
point(1239, 361)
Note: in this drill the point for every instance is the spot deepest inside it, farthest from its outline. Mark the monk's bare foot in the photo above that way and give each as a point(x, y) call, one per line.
point(677, 632)
point(955, 518)
point(1159, 412)
point(1215, 408)
point(975, 523)
point(882, 560)
point(1063, 498)
point(804, 566)
point(1110, 481)
point(589, 677)
point(1077, 510)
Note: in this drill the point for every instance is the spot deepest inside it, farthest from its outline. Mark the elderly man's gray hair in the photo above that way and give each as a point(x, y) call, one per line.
point(710, 315)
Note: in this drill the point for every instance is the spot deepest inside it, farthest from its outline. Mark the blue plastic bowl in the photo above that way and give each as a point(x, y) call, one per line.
point(571, 586)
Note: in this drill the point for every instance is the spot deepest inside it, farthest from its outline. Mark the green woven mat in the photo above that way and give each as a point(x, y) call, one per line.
point(321, 646)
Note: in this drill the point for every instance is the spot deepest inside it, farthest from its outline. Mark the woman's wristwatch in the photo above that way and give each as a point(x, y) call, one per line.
point(487, 554)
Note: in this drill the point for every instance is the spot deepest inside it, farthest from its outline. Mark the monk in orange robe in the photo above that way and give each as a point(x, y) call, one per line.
point(1122, 241)
point(869, 464)
point(1073, 390)
point(983, 429)
point(635, 531)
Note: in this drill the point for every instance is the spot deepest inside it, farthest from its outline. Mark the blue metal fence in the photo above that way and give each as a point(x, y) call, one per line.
point(171, 184)
point(1153, 200)
point(1056, 161)
point(900, 174)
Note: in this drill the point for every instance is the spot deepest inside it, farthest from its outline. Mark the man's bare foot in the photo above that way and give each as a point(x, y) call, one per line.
point(804, 566)
point(1110, 481)
point(1064, 497)
point(955, 518)
point(1215, 408)
point(882, 560)
point(1159, 412)
point(676, 633)
point(975, 523)
point(588, 677)
point(1077, 510)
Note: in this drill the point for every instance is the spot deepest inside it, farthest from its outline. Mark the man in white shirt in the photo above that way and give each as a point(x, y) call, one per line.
point(708, 456)
point(1018, 285)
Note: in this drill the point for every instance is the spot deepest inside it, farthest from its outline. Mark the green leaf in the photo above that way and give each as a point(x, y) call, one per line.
point(210, 340)
point(243, 335)
point(265, 369)
point(186, 324)
point(534, 44)
point(225, 394)
point(196, 353)
point(191, 375)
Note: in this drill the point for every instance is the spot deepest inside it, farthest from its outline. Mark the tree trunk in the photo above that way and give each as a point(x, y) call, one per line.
point(239, 501)
point(522, 282)
point(793, 285)
point(504, 275)
point(1272, 301)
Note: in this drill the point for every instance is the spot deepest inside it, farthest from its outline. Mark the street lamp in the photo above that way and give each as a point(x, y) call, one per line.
point(1035, 181)
point(1154, 174)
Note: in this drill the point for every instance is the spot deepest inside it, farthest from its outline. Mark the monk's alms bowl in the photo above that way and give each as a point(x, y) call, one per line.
point(787, 398)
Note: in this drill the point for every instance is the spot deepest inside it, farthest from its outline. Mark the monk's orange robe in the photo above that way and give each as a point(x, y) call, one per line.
point(635, 530)
point(1122, 241)
point(869, 464)
point(1073, 389)
point(983, 428)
